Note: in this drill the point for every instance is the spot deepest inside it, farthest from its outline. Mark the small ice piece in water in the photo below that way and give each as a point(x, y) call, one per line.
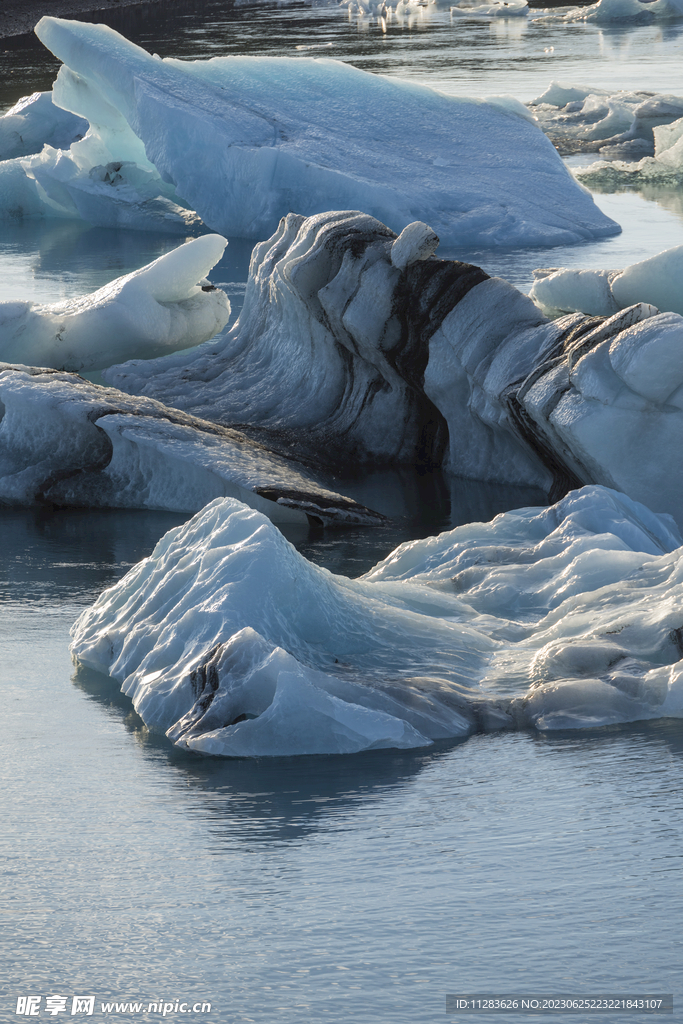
point(656, 281)
point(152, 311)
point(232, 643)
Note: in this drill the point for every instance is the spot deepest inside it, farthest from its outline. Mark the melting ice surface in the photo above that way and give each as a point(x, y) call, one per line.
point(232, 643)
point(299, 134)
point(150, 312)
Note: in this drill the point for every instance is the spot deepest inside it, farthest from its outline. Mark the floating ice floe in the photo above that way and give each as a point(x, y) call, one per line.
point(630, 12)
point(232, 643)
point(365, 349)
point(666, 166)
point(602, 292)
point(303, 134)
point(33, 122)
point(65, 441)
point(165, 306)
point(496, 9)
point(617, 125)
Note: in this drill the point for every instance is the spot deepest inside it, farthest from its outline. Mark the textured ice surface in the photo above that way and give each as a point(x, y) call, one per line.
point(608, 404)
point(362, 360)
point(33, 122)
point(232, 643)
point(618, 125)
point(65, 441)
point(283, 134)
point(602, 292)
point(666, 166)
point(359, 361)
point(155, 310)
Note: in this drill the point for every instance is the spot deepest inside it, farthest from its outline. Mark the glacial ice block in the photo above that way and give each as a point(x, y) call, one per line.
point(152, 311)
point(35, 121)
point(65, 441)
point(310, 135)
point(656, 281)
point(232, 643)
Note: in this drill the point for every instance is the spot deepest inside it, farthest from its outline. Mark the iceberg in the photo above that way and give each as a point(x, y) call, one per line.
point(67, 442)
point(602, 292)
point(311, 135)
point(626, 12)
point(158, 309)
point(618, 125)
point(365, 348)
point(231, 643)
point(33, 122)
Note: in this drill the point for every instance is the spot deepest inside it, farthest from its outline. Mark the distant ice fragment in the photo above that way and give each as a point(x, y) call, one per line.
point(155, 310)
point(628, 12)
point(656, 281)
point(494, 9)
point(277, 138)
point(618, 125)
point(66, 442)
point(233, 644)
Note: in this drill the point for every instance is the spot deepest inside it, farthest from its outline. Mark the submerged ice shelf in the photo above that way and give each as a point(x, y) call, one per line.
point(301, 134)
point(232, 643)
point(158, 309)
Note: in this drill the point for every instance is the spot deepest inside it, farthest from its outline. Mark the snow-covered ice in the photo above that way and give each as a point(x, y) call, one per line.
point(65, 441)
point(33, 122)
point(232, 643)
point(165, 306)
point(656, 281)
point(310, 135)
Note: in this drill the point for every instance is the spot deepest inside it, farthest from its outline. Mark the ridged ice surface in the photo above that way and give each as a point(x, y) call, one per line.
point(155, 310)
point(310, 135)
point(67, 442)
point(232, 643)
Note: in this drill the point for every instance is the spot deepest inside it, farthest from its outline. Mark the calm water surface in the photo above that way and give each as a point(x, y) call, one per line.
point(358, 889)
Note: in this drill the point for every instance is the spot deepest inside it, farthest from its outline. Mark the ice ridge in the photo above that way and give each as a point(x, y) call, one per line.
point(232, 643)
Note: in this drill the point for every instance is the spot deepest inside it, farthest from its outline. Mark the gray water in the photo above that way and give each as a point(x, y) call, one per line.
point(354, 889)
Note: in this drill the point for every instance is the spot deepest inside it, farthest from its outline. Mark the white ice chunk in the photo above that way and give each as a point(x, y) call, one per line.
point(303, 134)
point(656, 281)
point(158, 309)
point(234, 644)
point(33, 122)
point(416, 242)
point(496, 9)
